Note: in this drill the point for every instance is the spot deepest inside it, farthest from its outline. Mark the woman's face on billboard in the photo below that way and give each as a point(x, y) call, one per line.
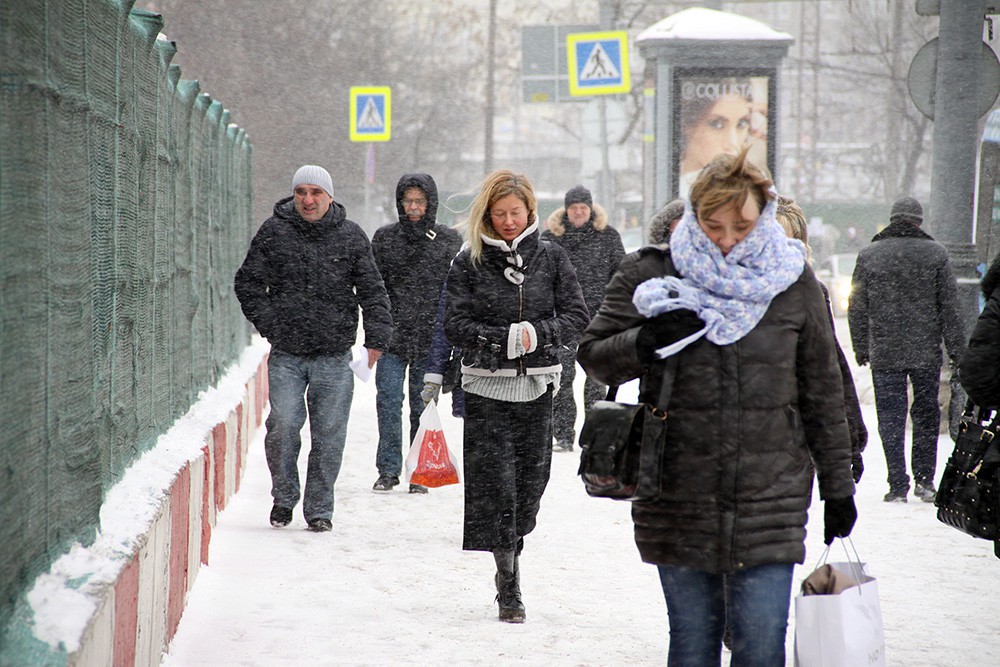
point(723, 128)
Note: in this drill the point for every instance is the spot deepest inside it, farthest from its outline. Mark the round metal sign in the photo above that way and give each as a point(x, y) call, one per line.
point(922, 76)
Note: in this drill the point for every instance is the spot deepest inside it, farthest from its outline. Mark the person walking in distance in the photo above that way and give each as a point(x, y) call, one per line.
point(595, 249)
point(413, 255)
point(512, 300)
point(903, 304)
point(306, 272)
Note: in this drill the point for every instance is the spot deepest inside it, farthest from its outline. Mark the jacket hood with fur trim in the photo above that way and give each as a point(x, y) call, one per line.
point(556, 222)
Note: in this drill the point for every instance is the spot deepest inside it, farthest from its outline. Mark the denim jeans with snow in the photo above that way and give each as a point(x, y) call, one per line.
point(759, 598)
point(326, 384)
point(390, 373)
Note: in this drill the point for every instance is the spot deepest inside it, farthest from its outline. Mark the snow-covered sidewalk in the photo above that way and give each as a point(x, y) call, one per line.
point(390, 584)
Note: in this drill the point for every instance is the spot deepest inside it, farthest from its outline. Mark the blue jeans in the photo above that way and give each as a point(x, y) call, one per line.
point(389, 375)
point(890, 406)
point(327, 384)
point(759, 598)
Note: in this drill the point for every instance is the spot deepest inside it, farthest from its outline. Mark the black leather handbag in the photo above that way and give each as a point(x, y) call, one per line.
point(968, 496)
point(621, 445)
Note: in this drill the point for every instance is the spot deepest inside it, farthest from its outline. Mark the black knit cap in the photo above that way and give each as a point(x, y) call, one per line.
point(578, 195)
point(907, 209)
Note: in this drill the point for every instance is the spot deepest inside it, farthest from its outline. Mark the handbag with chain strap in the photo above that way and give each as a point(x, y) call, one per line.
point(968, 496)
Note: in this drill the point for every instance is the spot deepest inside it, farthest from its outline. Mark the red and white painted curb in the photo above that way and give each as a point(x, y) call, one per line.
point(137, 585)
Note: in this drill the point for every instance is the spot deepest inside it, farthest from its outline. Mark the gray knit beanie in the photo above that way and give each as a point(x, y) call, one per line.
point(907, 209)
point(311, 174)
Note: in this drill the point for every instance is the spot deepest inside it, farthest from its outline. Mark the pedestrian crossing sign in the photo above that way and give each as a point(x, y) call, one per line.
point(371, 109)
point(598, 63)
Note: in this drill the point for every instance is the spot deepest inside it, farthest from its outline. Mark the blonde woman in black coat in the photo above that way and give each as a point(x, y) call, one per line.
point(512, 300)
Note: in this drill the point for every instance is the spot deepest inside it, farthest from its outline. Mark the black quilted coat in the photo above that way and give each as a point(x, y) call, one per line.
point(745, 420)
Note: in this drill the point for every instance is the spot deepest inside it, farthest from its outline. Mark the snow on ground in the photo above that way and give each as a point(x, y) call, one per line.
point(390, 584)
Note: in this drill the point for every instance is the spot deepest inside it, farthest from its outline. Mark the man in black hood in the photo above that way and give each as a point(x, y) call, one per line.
point(413, 256)
point(904, 302)
point(307, 270)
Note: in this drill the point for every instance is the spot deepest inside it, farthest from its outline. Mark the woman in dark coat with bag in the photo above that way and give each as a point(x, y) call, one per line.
point(979, 368)
point(757, 397)
point(512, 300)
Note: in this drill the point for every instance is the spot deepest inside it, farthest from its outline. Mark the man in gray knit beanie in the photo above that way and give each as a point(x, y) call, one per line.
point(307, 270)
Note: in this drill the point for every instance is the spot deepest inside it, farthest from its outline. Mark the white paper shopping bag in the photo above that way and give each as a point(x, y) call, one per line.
point(843, 629)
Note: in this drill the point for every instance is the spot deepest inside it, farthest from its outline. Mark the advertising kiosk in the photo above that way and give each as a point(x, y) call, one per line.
point(711, 85)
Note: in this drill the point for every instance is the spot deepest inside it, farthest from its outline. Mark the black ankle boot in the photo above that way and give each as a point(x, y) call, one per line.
point(508, 580)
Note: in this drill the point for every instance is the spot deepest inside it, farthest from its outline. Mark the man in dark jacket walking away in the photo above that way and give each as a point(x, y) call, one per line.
point(595, 250)
point(307, 270)
point(413, 256)
point(904, 302)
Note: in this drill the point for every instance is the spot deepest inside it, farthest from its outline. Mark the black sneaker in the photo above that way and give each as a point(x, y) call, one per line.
point(320, 525)
point(280, 516)
point(385, 483)
point(925, 491)
point(417, 488)
point(895, 497)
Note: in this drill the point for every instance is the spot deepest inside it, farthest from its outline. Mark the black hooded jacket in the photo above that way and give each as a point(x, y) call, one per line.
point(413, 258)
point(302, 282)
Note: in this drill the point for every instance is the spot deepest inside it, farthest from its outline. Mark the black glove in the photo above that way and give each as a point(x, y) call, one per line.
point(857, 467)
point(862, 359)
point(839, 517)
point(663, 330)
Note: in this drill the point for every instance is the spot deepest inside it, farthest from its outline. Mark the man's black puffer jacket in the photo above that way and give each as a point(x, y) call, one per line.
point(302, 282)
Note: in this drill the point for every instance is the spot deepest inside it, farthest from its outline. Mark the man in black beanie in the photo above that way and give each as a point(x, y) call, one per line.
point(595, 249)
point(904, 302)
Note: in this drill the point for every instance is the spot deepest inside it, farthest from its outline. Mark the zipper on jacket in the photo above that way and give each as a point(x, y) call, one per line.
point(520, 318)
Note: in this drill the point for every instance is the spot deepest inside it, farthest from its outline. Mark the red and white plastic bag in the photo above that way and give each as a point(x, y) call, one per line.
point(430, 463)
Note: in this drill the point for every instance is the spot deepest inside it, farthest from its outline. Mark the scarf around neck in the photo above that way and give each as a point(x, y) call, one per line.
point(515, 271)
point(730, 293)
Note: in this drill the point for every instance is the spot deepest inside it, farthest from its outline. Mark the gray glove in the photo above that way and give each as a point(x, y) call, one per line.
point(430, 392)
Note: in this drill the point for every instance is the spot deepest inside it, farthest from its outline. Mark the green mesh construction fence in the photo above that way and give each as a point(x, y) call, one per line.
point(125, 210)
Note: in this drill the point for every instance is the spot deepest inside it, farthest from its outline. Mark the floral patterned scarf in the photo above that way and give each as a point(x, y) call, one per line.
point(729, 293)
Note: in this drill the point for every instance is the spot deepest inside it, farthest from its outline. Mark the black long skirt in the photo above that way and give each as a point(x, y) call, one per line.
point(507, 456)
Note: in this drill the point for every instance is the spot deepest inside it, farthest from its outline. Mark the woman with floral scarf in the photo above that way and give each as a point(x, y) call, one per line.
point(756, 402)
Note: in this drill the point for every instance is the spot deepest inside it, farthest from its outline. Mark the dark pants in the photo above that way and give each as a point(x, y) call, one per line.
point(890, 405)
point(564, 403)
point(507, 456)
point(390, 376)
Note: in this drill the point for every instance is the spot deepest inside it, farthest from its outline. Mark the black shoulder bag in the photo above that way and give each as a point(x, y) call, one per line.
point(622, 444)
point(968, 496)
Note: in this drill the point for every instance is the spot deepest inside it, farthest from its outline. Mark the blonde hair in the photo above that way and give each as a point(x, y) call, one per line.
point(496, 186)
point(792, 219)
point(729, 180)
